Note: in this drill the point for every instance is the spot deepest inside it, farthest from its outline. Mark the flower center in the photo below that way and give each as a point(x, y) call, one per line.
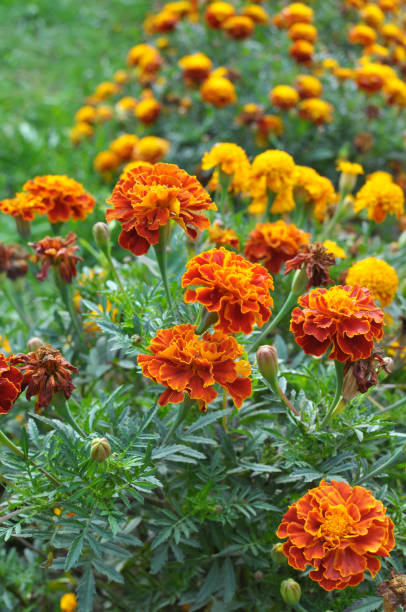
point(338, 300)
point(337, 523)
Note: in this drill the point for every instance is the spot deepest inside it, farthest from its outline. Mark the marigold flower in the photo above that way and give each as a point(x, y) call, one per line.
point(106, 89)
point(121, 77)
point(333, 248)
point(106, 161)
point(217, 13)
point(60, 253)
point(343, 74)
point(24, 205)
point(238, 26)
point(145, 56)
point(377, 276)
point(86, 114)
point(268, 124)
point(230, 159)
point(63, 197)
point(151, 149)
point(372, 77)
point(329, 63)
point(343, 318)
point(362, 34)
point(395, 92)
point(339, 531)
point(125, 107)
point(162, 22)
point(185, 363)
point(10, 384)
point(274, 243)
point(13, 260)
point(183, 8)
point(361, 375)
point(218, 91)
point(392, 33)
point(315, 110)
point(315, 189)
point(79, 132)
point(303, 31)
point(196, 67)
point(148, 110)
point(297, 12)
point(315, 260)
point(284, 97)
point(256, 13)
point(68, 602)
point(301, 51)
point(148, 197)
point(223, 236)
point(45, 372)
point(308, 86)
point(372, 15)
point(124, 146)
point(381, 197)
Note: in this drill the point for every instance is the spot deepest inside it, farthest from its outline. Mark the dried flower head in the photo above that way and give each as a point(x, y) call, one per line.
point(339, 531)
point(10, 383)
point(315, 260)
point(13, 260)
point(45, 372)
point(362, 374)
point(232, 287)
point(377, 276)
point(394, 592)
point(187, 363)
point(60, 253)
point(343, 318)
point(147, 197)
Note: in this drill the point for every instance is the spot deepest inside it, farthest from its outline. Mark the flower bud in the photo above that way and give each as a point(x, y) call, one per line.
point(259, 575)
point(34, 344)
point(290, 592)
point(267, 359)
point(350, 385)
point(135, 339)
point(100, 449)
point(101, 234)
point(277, 554)
point(347, 182)
point(299, 282)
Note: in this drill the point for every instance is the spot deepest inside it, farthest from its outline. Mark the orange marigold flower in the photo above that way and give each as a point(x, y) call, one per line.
point(372, 77)
point(217, 13)
point(13, 260)
point(196, 67)
point(315, 110)
point(362, 34)
point(301, 51)
point(86, 114)
point(106, 161)
point(79, 132)
point(377, 276)
point(68, 602)
point(24, 205)
point(219, 91)
point(185, 363)
point(151, 149)
point(273, 243)
point(234, 288)
point(223, 236)
point(297, 12)
point(372, 15)
point(343, 318)
point(284, 97)
point(148, 197)
point(124, 146)
point(60, 253)
point(256, 13)
point(338, 530)
point(308, 86)
point(10, 384)
point(230, 159)
point(238, 26)
point(303, 31)
point(63, 197)
point(45, 372)
point(381, 197)
point(148, 110)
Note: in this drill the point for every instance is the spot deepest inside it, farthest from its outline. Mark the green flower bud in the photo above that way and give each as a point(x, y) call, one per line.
point(267, 359)
point(277, 554)
point(101, 234)
point(35, 343)
point(290, 592)
point(299, 282)
point(100, 449)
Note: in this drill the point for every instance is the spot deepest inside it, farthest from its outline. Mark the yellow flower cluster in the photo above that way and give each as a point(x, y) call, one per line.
point(377, 276)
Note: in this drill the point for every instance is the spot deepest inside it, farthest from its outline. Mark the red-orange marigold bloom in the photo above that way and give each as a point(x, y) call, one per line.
point(59, 253)
point(45, 372)
point(234, 288)
point(63, 197)
point(148, 197)
point(185, 363)
point(273, 243)
point(217, 13)
point(223, 236)
point(338, 530)
point(23, 205)
point(344, 318)
point(238, 26)
point(10, 384)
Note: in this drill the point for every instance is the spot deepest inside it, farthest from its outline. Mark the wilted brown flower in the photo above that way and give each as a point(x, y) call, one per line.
point(13, 260)
point(59, 253)
point(360, 375)
point(315, 259)
point(394, 592)
point(45, 372)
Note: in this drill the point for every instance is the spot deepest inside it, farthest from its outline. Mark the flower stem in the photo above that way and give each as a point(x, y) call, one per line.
point(299, 608)
point(66, 296)
point(161, 255)
point(14, 304)
point(328, 228)
point(225, 181)
point(287, 306)
point(270, 201)
point(338, 393)
point(285, 400)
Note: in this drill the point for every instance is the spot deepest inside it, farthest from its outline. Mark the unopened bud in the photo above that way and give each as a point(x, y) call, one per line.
point(135, 339)
point(290, 592)
point(350, 385)
point(100, 449)
point(218, 509)
point(277, 554)
point(35, 343)
point(299, 282)
point(347, 182)
point(267, 359)
point(259, 576)
point(101, 234)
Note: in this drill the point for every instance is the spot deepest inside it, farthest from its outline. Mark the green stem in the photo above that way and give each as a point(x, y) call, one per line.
point(327, 229)
point(285, 399)
point(114, 270)
point(270, 201)
point(66, 296)
point(338, 393)
point(180, 417)
point(299, 608)
point(225, 181)
point(290, 301)
point(395, 405)
point(14, 304)
point(161, 255)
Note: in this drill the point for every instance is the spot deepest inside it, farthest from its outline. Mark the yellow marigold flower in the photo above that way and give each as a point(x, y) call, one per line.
point(343, 73)
point(121, 77)
point(395, 91)
point(86, 114)
point(182, 8)
point(302, 51)
point(272, 171)
point(308, 86)
point(148, 110)
point(389, 5)
point(297, 12)
point(91, 326)
point(381, 197)
point(329, 63)
point(256, 13)
point(217, 13)
point(303, 31)
point(152, 149)
point(223, 236)
point(284, 97)
point(372, 15)
point(372, 77)
point(349, 172)
point(79, 132)
point(218, 91)
point(68, 602)
point(5, 344)
point(391, 33)
point(315, 110)
point(362, 34)
point(106, 161)
point(333, 248)
point(315, 189)
point(238, 26)
point(106, 90)
point(268, 124)
point(196, 67)
point(104, 113)
point(377, 276)
point(230, 159)
point(165, 21)
point(124, 146)
point(125, 107)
